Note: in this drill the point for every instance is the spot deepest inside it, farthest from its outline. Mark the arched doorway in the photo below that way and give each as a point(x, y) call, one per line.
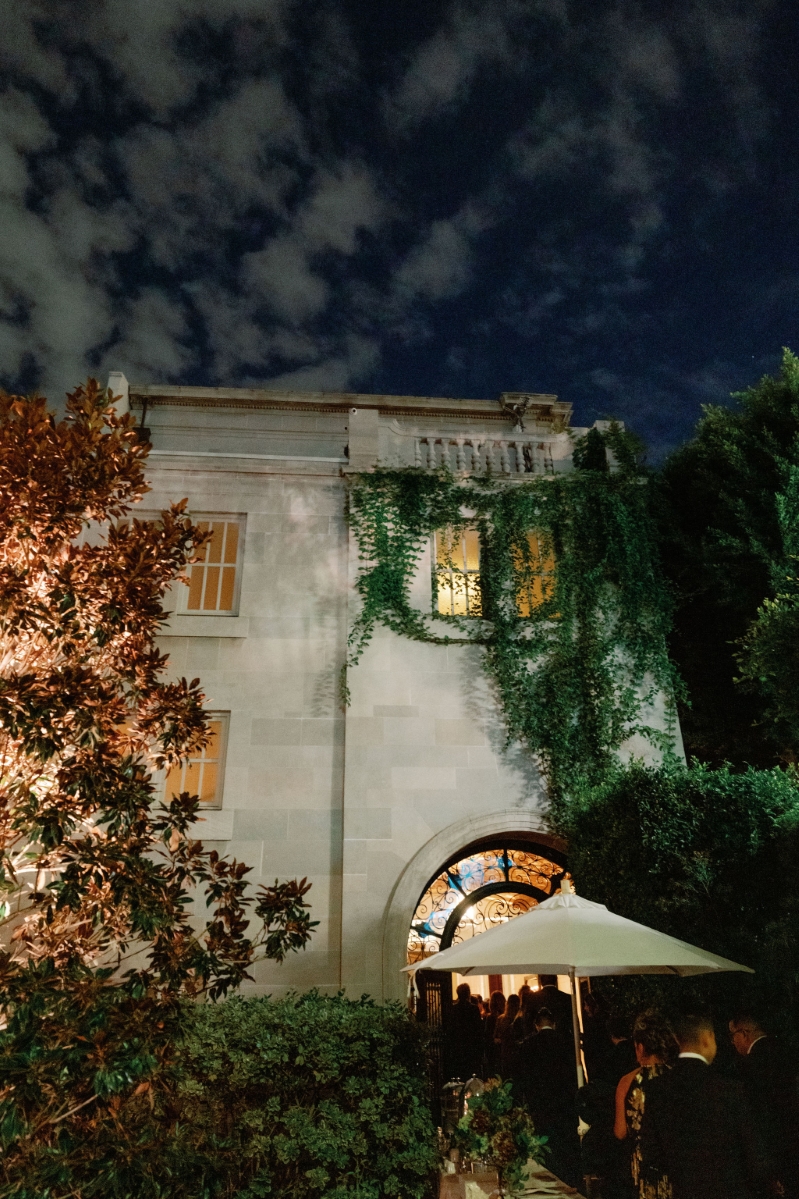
point(482, 885)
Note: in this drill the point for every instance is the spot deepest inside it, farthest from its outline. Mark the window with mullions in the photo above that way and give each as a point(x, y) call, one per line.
point(535, 574)
point(215, 577)
point(202, 773)
point(458, 584)
point(457, 572)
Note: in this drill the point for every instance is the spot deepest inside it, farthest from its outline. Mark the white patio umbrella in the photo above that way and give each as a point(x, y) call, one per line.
point(570, 935)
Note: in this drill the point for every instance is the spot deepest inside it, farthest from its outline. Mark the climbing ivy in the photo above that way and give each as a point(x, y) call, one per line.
point(575, 677)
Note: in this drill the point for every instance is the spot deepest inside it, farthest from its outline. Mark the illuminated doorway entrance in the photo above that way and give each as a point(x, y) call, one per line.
point(485, 884)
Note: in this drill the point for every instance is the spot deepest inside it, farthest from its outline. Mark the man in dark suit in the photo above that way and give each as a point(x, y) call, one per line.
point(550, 1083)
point(558, 1002)
point(697, 1127)
point(768, 1073)
point(465, 1035)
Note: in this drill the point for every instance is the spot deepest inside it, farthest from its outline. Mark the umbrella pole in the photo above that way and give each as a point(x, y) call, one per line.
point(576, 1030)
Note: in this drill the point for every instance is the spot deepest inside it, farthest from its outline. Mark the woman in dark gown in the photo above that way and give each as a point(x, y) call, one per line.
point(656, 1051)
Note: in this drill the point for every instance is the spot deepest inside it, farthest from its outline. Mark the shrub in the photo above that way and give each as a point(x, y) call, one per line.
point(706, 855)
point(501, 1134)
point(299, 1097)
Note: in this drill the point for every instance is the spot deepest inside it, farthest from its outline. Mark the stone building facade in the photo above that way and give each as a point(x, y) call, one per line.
point(371, 803)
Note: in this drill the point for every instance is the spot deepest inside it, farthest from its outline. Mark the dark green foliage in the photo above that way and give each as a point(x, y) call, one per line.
point(297, 1098)
point(495, 1131)
point(709, 856)
point(722, 543)
point(769, 654)
point(590, 453)
point(576, 676)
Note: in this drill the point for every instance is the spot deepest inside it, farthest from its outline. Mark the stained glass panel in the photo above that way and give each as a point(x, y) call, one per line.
point(490, 911)
point(519, 870)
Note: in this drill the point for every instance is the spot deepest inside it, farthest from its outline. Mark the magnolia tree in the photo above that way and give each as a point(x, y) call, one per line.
point(100, 879)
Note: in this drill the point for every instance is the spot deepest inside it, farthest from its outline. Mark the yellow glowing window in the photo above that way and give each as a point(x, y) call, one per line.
point(213, 578)
point(457, 572)
point(202, 774)
point(535, 574)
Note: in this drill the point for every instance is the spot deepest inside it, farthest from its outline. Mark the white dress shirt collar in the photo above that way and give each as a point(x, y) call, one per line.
point(698, 1057)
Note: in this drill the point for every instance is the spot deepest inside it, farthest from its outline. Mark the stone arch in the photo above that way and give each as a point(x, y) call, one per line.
point(424, 864)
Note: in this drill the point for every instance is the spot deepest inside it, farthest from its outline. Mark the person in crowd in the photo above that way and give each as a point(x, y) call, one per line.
point(465, 1035)
point(697, 1128)
point(768, 1074)
point(505, 1037)
point(524, 1024)
point(550, 1085)
point(620, 1058)
point(558, 1002)
point(496, 1009)
point(602, 1154)
point(596, 1042)
point(656, 1051)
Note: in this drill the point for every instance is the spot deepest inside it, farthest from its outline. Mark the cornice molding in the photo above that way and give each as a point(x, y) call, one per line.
point(544, 409)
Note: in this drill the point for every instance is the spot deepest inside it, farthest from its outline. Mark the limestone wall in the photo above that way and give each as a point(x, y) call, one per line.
point(368, 803)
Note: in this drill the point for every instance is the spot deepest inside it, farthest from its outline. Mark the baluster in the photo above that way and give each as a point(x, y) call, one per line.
point(460, 457)
point(417, 452)
point(431, 451)
point(504, 460)
point(519, 458)
point(476, 447)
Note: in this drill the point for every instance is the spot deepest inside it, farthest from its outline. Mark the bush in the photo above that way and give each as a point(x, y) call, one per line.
point(304, 1096)
point(706, 855)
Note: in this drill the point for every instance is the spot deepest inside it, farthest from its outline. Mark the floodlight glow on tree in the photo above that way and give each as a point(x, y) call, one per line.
point(97, 875)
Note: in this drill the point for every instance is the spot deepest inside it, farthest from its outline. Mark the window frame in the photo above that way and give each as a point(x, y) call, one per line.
point(531, 594)
point(465, 574)
point(221, 759)
point(183, 590)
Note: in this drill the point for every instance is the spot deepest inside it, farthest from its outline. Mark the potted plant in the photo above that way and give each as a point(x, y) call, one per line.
point(500, 1134)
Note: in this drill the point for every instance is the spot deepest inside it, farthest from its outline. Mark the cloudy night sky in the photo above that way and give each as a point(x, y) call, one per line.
point(435, 197)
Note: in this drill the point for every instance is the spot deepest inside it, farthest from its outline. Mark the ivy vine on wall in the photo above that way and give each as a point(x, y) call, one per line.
point(577, 671)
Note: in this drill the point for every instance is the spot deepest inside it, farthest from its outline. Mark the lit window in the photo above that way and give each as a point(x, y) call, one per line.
point(457, 572)
point(535, 574)
point(480, 890)
point(214, 577)
point(202, 774)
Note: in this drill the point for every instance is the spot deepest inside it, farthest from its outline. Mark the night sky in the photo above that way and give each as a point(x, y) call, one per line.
point(437, 198)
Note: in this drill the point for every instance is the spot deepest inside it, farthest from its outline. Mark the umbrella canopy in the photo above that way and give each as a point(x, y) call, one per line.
point(570, 935)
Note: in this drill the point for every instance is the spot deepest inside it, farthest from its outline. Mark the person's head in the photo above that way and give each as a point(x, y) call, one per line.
point(527, 1000)
point(618, 1028)
point(654, 1040)
point(544, 1019)
point(745, 1029)
point(497, 1003)
point(590, 1004)
point(547, 980)
point(477, 1000)
point(695, 1034)
point(512, 1007)
point(464, 993)
point(524, 991)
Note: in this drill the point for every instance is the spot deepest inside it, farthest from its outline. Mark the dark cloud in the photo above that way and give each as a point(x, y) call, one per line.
point(593, 199)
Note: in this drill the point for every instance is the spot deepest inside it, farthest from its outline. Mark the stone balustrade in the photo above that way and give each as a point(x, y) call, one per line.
point(499, 456)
